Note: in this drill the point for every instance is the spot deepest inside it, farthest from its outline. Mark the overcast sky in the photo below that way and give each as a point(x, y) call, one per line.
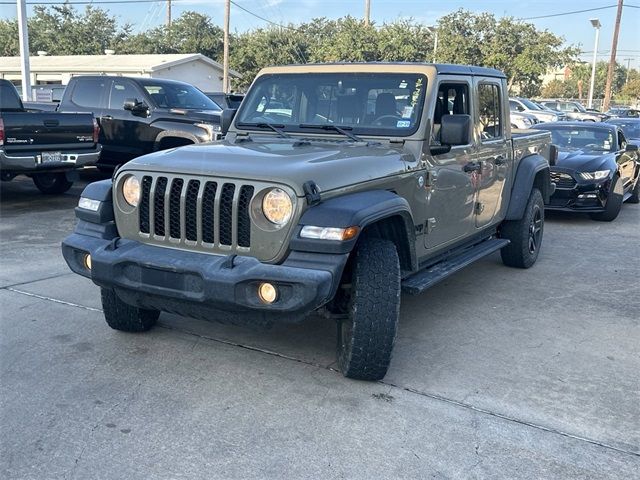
point(576, 28)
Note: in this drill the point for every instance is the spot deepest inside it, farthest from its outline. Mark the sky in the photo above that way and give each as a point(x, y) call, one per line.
point(576, 28)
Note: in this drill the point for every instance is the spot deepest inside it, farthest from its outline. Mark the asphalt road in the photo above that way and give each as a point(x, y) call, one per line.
point(497, 373)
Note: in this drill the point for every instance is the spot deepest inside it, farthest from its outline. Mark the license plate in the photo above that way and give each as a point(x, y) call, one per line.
point(52, 157)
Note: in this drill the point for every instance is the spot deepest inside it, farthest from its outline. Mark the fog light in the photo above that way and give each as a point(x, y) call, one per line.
point(87, 261)
point(267, 292)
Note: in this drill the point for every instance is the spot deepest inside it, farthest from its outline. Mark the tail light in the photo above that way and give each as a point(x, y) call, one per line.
point(96, 131)
point(1, 132)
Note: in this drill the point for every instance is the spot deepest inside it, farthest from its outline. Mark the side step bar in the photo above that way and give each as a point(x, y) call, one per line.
point(419, 282)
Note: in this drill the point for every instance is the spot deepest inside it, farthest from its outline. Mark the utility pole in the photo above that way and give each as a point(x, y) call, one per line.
point(628, 60)
point(597, 25)
point(168, 13)
point(367, 12)
point(612, 60)
point(225, 62)
point(23, 32)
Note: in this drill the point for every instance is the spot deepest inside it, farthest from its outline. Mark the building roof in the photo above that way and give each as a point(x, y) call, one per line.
point(106, 63)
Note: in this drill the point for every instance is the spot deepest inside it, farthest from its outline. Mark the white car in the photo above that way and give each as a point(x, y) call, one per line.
point(523, 120)
point(522, 105)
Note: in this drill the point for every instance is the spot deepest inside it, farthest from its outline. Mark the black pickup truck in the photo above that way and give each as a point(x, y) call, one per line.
point(142, 115)
point(47, 146)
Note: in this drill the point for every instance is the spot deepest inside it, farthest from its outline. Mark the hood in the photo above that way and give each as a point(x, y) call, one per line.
point(543, 115)
point(585, 161)
point(209, 116)
point(330, 164)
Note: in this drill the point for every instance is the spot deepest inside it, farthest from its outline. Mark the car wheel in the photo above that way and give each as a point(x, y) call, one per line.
point(525, 235)
point(52, 183)
point(635, 193)
point(614, 202)
point(124, 317)
point(367, 334)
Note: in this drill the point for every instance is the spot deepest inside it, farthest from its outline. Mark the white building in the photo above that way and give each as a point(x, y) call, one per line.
point(193, 68)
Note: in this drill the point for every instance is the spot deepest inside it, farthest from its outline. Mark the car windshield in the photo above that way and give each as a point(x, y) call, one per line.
point(578, 106)
point(530, 105)
point(590, 139)
point(630, 129)
point(385, 104)
point(178, 95)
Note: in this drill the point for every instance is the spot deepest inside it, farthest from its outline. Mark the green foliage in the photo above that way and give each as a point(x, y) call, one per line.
point(577, 85)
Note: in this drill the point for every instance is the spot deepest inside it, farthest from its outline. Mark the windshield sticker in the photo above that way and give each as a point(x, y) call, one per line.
point(403, 124)
point(607, 145)
point(407, 111)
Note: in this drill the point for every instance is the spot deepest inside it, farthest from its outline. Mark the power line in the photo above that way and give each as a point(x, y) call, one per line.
point(261, 17)
point(577, 11)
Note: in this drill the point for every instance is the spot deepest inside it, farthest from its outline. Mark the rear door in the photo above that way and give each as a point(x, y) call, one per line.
point(450, 190)
point(494, 153)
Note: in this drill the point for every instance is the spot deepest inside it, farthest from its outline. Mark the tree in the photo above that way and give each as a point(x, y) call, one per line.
point(517, 48)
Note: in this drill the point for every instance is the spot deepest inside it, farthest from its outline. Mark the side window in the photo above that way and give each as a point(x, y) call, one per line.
point(90, 92)
point(622, 142)
point(120, 91)
point(490, 111)
point(515, 106)
point(452, 99)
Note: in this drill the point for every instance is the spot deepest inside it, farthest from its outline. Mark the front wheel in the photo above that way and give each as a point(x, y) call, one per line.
point(614, 202)
point(635, 193)
point(52, 183)
point(124, 317)
point(367, 335)
point(525, 234)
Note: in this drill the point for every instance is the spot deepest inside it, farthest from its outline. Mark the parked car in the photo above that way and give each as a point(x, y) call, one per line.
point(630, 127)
point(623, 112)
point(523, 120)
point(226, 100)
point(142, 115)
point(597, 169)
point(46, 146)
point(561, 115)
point(332, 200)
point(575, 111)
point(523, 105)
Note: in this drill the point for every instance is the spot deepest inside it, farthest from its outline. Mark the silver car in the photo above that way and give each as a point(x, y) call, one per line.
point(523, 105)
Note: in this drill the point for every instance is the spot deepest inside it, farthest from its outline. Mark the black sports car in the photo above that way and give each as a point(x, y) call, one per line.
point(596, 169)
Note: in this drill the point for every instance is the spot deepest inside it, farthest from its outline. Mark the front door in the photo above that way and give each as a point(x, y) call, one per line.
point(450, 189)
point(494, 151)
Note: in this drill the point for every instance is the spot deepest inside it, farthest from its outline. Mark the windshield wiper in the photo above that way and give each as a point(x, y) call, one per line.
point(330, 126)
point(275, 127)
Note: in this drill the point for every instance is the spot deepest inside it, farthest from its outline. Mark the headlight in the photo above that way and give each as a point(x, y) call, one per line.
point(277, 206)
point(89, 204)
point(212, 130)
point(599, 175)
point(131, 190)
point(527, 121)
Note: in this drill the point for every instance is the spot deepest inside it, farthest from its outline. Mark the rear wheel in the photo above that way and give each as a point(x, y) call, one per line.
point(52, 183)
point(525, 234)
point(367, 334)
point(614, 202)
point(124, 317)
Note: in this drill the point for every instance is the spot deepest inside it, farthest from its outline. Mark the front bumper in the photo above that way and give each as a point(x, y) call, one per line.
point(203, 285)
point(31, 162)
point(587, 197)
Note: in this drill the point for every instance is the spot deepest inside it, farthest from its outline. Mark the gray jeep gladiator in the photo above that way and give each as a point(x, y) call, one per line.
point(336, 188)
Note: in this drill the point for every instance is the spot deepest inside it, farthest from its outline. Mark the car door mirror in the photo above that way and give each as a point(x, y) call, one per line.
point(631, 147)
point(226, 118)
point(455, 129)
point(135, 106)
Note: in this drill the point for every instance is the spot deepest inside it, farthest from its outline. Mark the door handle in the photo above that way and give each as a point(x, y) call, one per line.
point(106, 117)
point(500, 160)
point(472, 167)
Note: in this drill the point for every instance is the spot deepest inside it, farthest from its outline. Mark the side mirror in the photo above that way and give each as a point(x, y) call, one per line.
point(553, 154)
point(575, 110)
point(455, 129)
point(226, 118)
point(134, 105)
point(631, 147)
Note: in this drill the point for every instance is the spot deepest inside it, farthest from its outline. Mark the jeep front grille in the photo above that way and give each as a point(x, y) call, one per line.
point(211, 214)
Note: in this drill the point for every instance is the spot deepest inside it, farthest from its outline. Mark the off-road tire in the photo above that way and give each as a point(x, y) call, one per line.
point(635, 193)
point(525, 234)
point(614, 202)
point(124, 317)
point(367, 335)
point(52, 183)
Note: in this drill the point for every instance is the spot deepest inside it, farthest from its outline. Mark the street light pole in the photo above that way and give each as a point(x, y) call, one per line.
point(596, 24)
point(225, 61)
point(24, 50)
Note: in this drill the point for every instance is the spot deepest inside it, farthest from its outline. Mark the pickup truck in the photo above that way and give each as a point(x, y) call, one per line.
point(142, 115)
point(336, 188)
point(47, 146)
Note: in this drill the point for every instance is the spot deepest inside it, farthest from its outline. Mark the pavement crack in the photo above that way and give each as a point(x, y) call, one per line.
point(51, 277)
point(50, 299)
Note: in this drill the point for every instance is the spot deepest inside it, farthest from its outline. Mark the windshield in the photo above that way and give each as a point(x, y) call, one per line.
point(630, 129)
point(530, 105)
point(579, 107)
point(589, 139)
point(178, 95)
point(387, 104)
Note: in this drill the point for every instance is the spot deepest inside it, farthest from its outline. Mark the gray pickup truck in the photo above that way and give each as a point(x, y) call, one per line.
point(337, 187)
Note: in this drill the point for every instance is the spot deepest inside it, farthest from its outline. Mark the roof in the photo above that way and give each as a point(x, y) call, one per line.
point(107, 63)
point(576, 124)
point(389, 67)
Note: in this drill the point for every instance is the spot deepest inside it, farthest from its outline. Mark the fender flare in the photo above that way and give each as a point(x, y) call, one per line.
point(174, 134)
point(357, 209)
point(523, 182)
